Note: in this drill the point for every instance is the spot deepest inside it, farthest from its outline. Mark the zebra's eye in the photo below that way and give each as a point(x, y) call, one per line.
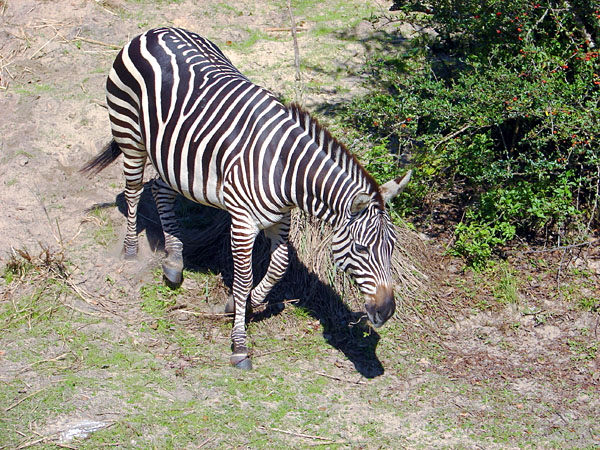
point(361, 249)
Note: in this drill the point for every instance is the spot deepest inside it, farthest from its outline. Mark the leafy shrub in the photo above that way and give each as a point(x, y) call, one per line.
point(505, 100)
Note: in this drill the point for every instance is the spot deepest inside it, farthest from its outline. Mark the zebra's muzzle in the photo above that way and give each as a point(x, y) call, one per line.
point(381, 306)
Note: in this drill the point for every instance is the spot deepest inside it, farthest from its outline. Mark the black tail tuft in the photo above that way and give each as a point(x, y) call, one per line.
point(102, 160)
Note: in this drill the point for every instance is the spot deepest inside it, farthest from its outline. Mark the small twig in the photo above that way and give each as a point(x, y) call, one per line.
point(57, 358)
point(18, 402)
point(206, 441)
point(540, 20)
point(340, 379)
point(270, 353)
point(99, 103)
point(534, 313)
point(452, 135)
point(295, 39)
point(562, 247)
point(94, 41)
point(285, 29)
point(64, 445)
point(202, 314)
point(302, 435)
point(32, 443)
point(40, 49)
point(106, 9)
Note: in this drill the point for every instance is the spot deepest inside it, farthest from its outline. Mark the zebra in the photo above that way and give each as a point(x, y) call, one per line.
point(220, 140)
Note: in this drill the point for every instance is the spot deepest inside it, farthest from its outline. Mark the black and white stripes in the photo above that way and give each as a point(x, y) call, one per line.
point(220, 140)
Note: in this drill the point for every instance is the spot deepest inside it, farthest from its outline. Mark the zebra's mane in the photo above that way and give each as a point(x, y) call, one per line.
point(338, 151)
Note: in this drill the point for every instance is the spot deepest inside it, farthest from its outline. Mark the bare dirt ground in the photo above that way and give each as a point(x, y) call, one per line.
point(517, 364)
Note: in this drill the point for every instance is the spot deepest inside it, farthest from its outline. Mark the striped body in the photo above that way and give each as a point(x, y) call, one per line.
point(220, 140)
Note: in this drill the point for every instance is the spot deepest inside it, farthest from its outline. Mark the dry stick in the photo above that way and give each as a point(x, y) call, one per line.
point(31, 443)
point(270, 352)
point(340, 379)
point(295, 38)
point(595, 199)
point(205, 442)
point(99, 103)
point(562, 247)
point(107, 10)
point(202, 314)
point(452, 135)
point(285, 29)
point(57, 358)
point(302, 435)
point(64, 446)
point(18, 402)
point(94, 41)
point(40, 49)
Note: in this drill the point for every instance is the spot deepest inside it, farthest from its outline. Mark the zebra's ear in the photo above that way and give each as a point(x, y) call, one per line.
point(360, 202)
point(392, 188)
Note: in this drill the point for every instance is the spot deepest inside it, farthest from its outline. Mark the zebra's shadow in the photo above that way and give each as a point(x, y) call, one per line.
point(206, 243)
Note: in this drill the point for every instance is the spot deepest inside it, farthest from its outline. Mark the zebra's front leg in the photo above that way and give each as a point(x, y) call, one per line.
point(243, 236)
point(278, 234)
point(172, 265)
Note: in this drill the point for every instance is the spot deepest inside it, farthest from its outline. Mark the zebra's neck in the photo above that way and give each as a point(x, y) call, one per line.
point(331, 175)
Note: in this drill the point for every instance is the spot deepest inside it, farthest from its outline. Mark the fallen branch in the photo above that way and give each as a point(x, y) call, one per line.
point(41, 48)
point(18, 402)
point(57, 358)
point(452, 135)
point(285, 29)
point(32, 443)
point(269, 353)
point(205, 442)
point(295, 39)
point(562, 247)
point(302, 435)
point(202, 314)
point(340, 379)
point(94, 41)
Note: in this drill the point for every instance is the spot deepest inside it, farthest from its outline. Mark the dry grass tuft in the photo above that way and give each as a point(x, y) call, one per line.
point(412, 272)
point(23, 266)
point(30, 276)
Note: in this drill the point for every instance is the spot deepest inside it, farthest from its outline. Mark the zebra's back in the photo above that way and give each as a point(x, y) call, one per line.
point(175, 96)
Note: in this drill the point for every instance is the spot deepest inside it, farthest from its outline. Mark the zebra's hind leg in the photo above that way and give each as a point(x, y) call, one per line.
point(172, 265)
point(133, 168)
point(243, 235)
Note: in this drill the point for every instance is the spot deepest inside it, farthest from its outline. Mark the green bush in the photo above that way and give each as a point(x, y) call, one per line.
point(503, 101)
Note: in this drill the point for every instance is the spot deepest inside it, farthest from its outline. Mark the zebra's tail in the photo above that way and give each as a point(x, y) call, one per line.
point(102, 160)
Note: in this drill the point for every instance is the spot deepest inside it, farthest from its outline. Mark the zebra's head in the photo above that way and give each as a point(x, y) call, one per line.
point(363, 248)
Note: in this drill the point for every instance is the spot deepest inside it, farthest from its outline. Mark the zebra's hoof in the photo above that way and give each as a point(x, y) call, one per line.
point(129, 255)
point(241, 361)
point(173, 276)
point(229, 306)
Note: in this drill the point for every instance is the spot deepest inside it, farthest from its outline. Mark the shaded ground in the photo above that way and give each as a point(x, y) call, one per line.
point(504, 359)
